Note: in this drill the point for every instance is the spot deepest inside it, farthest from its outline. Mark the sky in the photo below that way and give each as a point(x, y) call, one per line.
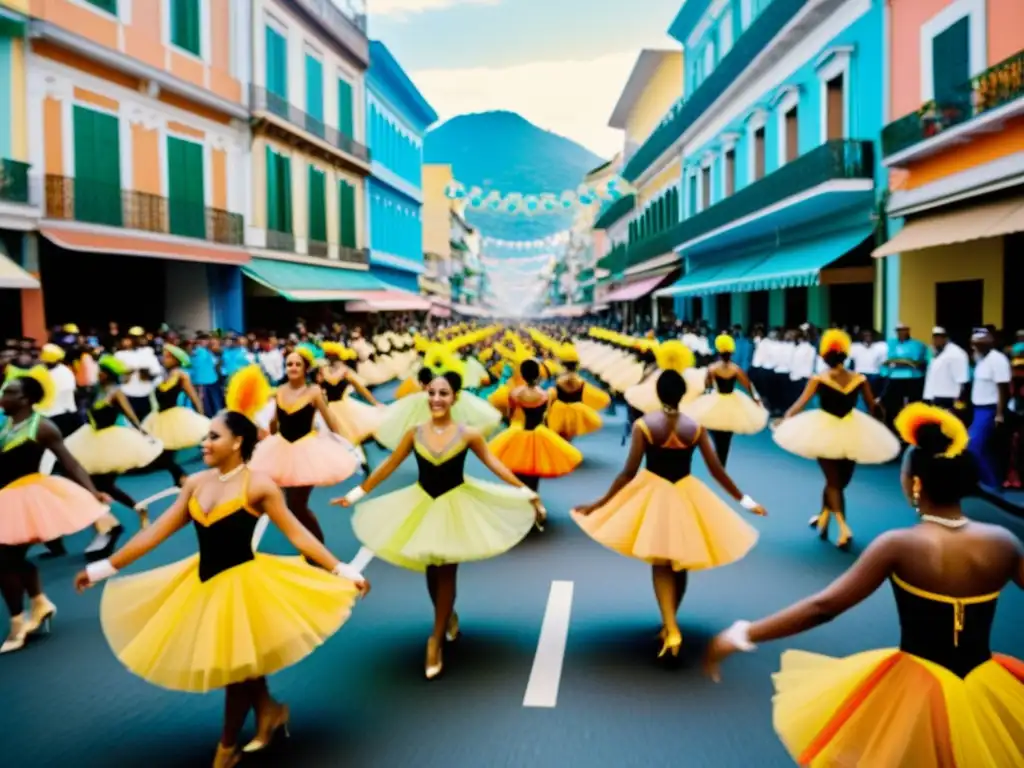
point(561, 64)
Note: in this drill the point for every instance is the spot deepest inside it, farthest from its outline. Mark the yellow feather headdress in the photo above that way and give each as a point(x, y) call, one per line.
point(674, 356)
point(338, 350)
point(725, 344)
point(248, 391)
point(916, 415)
point(440, 360)
point(834, 340)
point(41, 375)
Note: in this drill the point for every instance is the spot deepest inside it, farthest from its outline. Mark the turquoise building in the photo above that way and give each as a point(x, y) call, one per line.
point(780, 182)
point(397, 117)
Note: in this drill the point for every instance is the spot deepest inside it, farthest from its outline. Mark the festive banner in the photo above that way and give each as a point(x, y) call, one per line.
point(559, 238)
point(518, 203)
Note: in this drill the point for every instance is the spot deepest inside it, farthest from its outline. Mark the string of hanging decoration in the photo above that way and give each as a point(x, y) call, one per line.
point(518, 203)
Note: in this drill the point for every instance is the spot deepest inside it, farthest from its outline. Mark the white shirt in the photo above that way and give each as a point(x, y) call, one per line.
point(760, 352)
point(65, 384)
point(868, 358)
point(697, 344)
point(947, 372)
point(989, 372)
point(802, 362)
point(140, 359)
point(783, 356)
point(770, 355)
point(272, 363)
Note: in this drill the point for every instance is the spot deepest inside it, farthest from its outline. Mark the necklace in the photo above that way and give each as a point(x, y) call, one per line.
point(228, 475)
point(439, 430)
point(946, 522)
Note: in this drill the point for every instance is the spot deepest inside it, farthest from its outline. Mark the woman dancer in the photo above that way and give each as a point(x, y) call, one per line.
point(295, 455)
point(642, 398)
point(176, 427)
point(574, 403)
point(724, 411)
point(942, 698)
point(528, 448)
point(664, 515)
point(225, 617)
point(446, 518)
point(35, 507)
point(837, 435)
point(357, 421)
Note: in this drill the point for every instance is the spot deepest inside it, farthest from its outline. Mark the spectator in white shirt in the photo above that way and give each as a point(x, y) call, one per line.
point(867, 355)
point(949, 373)
point(990, 393)
point(64, 411)
point(802, 364)
point(145, 368)
point(783, 356)
point(271, 360)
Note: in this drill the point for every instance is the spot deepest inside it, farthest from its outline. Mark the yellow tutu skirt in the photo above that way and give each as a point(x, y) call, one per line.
point(820, 435)
point(499, 398)
point(596, 398)
point(475, 521)
point(358, 420)
point(733, 412)
point(254, 619)
point(318, 459)
point(536, 452)
point(40, 507)
point(890, 709)
point(682, 524)
point(571, 420)
point(372, 373)
point(112, 451)
point(409, 412)
point(409, 386)
point(622, 377)
point(177, 428)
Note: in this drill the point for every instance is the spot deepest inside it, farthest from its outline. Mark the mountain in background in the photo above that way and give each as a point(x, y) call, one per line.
point(504, 151)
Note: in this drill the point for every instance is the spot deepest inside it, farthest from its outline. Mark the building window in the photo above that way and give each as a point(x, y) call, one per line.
point(709, 58)
point(314, 95)
point(758, 156)
point(692, 201)
point(186, 206)
point(724, 34)
point(729, 173)
point(951, 66)
point(345, 110)
point(347, 211)
point(791, 137)
point(276, 63)
point(317, 205)
point(835, 108)
point(97, 144)
point(954, 47)
point(279, 192)
point(705, 187)
point(186, 24)
point(110, 6)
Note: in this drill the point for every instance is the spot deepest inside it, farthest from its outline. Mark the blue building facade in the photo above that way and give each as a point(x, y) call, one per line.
point(397, 118)
point(780, 168)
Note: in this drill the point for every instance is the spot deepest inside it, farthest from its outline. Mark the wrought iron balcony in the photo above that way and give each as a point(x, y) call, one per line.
point(316, 248)
point(772, 20)
point(615, 260)
point(996, 87)
point(98, 203)
point(13, 181)
point(280, 241)
point(832, 161)
point(615, 211)
point(262, 100)
point(354, 255)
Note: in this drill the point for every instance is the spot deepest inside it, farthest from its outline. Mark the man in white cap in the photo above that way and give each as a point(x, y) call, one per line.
point(990, 394)
point(904, 369)
point(947, 381)
point(145, 368)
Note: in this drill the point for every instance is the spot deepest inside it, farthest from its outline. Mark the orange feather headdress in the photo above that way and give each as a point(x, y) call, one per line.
point(915, 416)
point(248, 391)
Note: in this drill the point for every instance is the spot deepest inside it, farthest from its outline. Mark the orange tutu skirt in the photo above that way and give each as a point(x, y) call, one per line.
point(573, 419)
point(535, 452)
point(891, 709)
point(408, 387)
point(318, 459)
point(358, 420)
point(38, 508)
point(682, 524)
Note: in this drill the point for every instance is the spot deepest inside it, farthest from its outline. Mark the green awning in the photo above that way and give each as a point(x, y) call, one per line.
point(12, 23)
point(790, 266)
point(309, 282)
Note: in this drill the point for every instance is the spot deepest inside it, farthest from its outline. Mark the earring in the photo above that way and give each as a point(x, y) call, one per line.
point(917, 493)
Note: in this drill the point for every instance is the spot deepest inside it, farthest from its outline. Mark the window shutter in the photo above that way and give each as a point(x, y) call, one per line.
point(317, 205)
point(273, 193)
point(315, 89)
point(951, 63)
point(185, 25)
point(276, 55)
point(345, 108)
point(285, 175)
point(347, 200)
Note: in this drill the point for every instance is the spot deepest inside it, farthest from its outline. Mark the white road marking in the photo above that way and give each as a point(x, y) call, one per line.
point(362, 559)
point(261, 528)
point(542, 690)
point(174, 490)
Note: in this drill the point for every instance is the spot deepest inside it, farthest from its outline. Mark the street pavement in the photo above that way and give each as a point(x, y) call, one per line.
point(362, 700)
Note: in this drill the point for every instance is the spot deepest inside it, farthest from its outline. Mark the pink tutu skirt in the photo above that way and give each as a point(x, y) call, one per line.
point(318, 459)
point(38, 508)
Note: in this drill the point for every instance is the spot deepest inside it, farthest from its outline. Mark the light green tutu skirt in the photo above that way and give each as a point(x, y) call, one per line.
point(413, 410)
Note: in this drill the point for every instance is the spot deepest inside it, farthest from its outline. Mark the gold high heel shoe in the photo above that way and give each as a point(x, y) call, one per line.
point(452, 633)
point(432, 670)
point(19, 632)
point(670, 644)
point(226, 757)
point(275, 719)
point(821, 522)
point(845, 534)
point(41, 615)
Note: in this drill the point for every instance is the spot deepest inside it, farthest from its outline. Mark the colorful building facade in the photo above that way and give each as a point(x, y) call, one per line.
point(438, 266)
point(954, 147)
point(397, 118)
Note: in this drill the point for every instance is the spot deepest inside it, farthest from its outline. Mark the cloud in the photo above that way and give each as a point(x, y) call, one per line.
point(571, 98)
point(406, 9)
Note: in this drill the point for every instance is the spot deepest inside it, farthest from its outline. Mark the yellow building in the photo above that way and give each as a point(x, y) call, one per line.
point(437, 226)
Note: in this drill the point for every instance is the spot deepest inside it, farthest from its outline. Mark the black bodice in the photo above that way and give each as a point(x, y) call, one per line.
point(836, 402)
point(533, 416)
point(953, 634)
point(167, 398)
point(103, 415)
point(439, 479)
point(569, 397)
point(21, 453)
point(335, 391)
point(297, 424)
point(225, 544)
point(671, 463)
point(725, 386)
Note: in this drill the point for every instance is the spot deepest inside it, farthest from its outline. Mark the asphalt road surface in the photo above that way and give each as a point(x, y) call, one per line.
point(556, 666)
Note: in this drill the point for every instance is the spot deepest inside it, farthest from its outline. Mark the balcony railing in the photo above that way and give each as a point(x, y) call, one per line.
point(615, 260)
point(316, 248)
point(263, 100)
point(754, 39)
point(833, 160)
point(98, 203)
point(13, 181)
point(993, 88)
point(280, 241)
point(614, 212)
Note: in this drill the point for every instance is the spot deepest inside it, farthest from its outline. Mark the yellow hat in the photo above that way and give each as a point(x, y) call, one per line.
point(136, 330)
point(51, 353)
point(71, 328)
point(725, 344)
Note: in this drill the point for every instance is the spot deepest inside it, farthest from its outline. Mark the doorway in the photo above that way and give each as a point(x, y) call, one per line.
point(959, 308)
point(1013, 279)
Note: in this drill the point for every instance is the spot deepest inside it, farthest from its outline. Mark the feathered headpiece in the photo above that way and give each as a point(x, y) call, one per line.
point(567, 354)
point(51, 353)
point(41, 375)
point(338, 350)
point(915, 416)
point(834, 340)
point(112, 365)
point(248, 391)
point(725, 344)
point(178, 354)
point(674, 356)
point(439, 360)
point(306, 353)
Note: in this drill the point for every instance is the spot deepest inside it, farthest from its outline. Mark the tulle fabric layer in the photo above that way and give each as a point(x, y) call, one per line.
point(476, 375)
point(409, 386)
point(254, 619)
point(358, 420)
point(498, 399)
point(856, 437)
point(622, 377)
point(112, 451)
point(644, 396)
point(38, 508)
point(372, 373)
point(734, 412)
point(682, 524)
point(887, 708)
point(177, 428)
point(571, 420)
point(409, 412)
point(536, 452)
point(319, 459)
point(475, 521)
point(595, 397)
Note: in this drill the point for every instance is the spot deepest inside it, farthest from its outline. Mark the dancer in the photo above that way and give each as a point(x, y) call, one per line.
point(664, 515)
point(528, 448)
point(297, 456)
point(942, 698)
point(226, 617)
point(34, 507)
point(837, 435)
point(724, 411)
point(357, 421)
point(446, 518)
point(574, 403)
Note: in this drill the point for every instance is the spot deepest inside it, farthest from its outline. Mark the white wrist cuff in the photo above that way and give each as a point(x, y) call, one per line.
point(346, 571)
point(355, 494)
point(100, 571)
point(739, 635)
point(748, 503)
